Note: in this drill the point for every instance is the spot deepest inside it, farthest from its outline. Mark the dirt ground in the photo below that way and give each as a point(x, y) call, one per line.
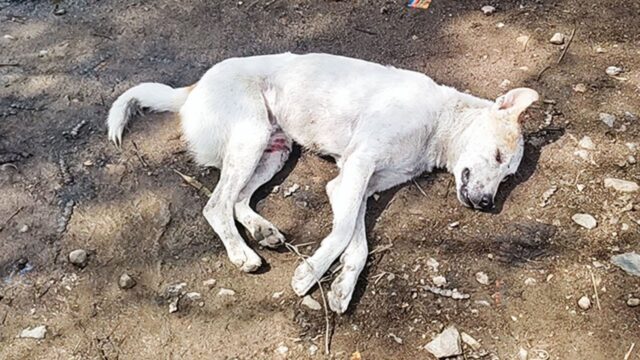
point(62, 189)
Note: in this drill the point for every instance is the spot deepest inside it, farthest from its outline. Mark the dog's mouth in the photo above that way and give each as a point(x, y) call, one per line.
point(463, 196)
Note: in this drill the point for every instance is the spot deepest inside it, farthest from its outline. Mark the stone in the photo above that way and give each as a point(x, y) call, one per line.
point(278, 294)
point(23, 229)
point(621, 185)
point(282, 350)
point(587, 143)
point(79, 258)
point(505, 84)
point(38, 332)
point(613, 70)
point(488, 9)
point(313, 350)
point(557, 39)
point(584, 303)
point(633, 302)
point(209, 283)
point(9, 37)
point(292, 189)
point(629, 262)
point(523, 354)
point(580, 88)
point(311, 303)
point(530, 281)
point(226, 292)
point(446, 344)
point(439, 281)
point(585, 220)
point(126, 281)
point(482, 278)
point(193, 296)
point(469, 340)
point(607, 119)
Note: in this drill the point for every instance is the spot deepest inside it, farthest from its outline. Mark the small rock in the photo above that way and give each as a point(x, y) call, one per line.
point(23, 229)
point(209, 283)
point(629, 116)
point(43, 53)
point(629, 262)
point(557, 39)
point(607, 119)
point(530, 281)
point(292, 189)
point(311, 303)
point(523, 40)
point(582, 154)
point(505, 84)
point(482, 278)
point(446, 344)
point(313, 350)
point(469, 340)
point(613, 71)
point(60, 11)
point(414, 37)
point(9, 37)
point(631, 159)
point(433, 264)
point(126, 281)
point(193, 296)
point(584, 303)
point(396, 338)
point(78, 258)
point(580, 88)
point(587, 143)
point(488, 9)
point(278, 294)
point(174, 289)
point(500, 25)
point(391, 277)
point(439, 281)
point(600, 50)
point(621, 185)
point(454, 224)
point(523, 354)
point(38, 332)
point(633, 302)
point(282, 350)
point(580, 187)
point(585, 220)
point(173, 305)
point(226, 292)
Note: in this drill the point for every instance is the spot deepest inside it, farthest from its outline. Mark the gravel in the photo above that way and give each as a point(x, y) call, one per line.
point(79, 258)
point(585, 220)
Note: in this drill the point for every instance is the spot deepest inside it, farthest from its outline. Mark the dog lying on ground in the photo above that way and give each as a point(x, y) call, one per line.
point(384, 126)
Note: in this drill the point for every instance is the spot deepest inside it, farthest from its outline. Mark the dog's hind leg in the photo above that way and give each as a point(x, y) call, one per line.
point(245, 146)
point(346, 194)
point(272, 161)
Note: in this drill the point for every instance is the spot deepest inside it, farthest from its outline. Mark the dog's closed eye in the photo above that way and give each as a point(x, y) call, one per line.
point(498, 156)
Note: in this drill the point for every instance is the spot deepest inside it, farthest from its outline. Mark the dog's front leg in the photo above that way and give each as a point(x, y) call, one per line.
point(346, 195)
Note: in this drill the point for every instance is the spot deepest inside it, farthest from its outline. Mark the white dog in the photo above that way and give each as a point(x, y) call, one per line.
point(383, 126)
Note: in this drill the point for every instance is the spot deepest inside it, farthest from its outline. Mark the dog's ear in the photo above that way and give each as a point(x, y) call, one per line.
point(513, 103)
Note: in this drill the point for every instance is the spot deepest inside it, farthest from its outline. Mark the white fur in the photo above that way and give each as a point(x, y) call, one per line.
point(383, 126)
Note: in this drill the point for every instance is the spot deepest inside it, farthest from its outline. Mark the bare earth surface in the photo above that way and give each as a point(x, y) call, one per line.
point(134, 214)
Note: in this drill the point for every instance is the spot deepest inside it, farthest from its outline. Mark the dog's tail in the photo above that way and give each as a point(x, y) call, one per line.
point(153, 96)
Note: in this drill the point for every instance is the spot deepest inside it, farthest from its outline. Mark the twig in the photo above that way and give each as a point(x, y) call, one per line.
point(11, 217)
point(368, 32)
point(542, 72)
point(595, 289)
point(137, 152)
point(9, 64)
point(573, 32)
point(194, 183)
point(380, 248)
point(327, 338)
point(628, 354)
point(419, 188)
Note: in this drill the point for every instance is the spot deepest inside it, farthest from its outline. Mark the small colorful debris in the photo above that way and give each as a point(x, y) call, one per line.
point(419, 4)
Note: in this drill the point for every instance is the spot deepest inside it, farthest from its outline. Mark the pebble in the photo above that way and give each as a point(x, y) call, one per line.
point(587, 143)
point(629, 262)
point(505, 84)
point(433, 264)
point(278, 294)
point(38, 332)
point(633, 302)
point(454, 224)
point(174, 289)
point(43, 53)
point(313, 350)
point(607, 119)
point(311, 303)
point(226, 292)
point(126, 281)
point(580, 88)
point(469, 340)
point(482, 278)
point(621, 185)
point(193, 296)
point(209, 283)
point(24, 228)
point(523, 40)
point(396, 338)
point(60, 11)
point(629, 116)
point(439, 281)
point(292, 189)
point(600, 50)
point(446, 344)
point(584, 303)
point(631, 159)
point(488, 9)
point(585, 220)
point(173, 305)
point(613, 70)
point(282, 350)
point(9, 37)
point(523, 354)
point(78, 258)
point(557, 39)
point(530, 281)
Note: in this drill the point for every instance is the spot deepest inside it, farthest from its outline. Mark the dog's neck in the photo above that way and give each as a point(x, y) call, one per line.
point(455, 119)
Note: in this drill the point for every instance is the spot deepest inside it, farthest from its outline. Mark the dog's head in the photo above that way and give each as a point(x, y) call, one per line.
point(491, 149)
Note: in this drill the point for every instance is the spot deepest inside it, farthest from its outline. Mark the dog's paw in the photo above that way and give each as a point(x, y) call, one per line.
point(303, 278)
point(268, 236)
point(245, 259)
point(340, 294)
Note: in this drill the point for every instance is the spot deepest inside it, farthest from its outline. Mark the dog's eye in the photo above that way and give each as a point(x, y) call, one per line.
point(498, 156)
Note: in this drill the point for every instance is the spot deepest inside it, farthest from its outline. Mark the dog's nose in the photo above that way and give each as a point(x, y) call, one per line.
point(486, 202)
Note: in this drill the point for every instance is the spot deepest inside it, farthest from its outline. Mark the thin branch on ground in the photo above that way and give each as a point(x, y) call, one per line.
point(194, 183)
point(573, 33)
